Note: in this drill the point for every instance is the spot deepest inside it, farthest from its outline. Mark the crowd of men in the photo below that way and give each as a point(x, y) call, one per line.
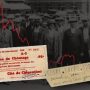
point(63, 33)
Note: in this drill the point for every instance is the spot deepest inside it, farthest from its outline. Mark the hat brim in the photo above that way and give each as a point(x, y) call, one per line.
point(84, 20)
point(72, 21)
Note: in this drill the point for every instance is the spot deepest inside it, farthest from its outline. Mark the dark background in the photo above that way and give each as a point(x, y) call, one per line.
point(39, 84)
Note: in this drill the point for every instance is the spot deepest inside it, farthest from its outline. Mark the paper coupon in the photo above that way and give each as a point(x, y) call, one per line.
point(23, 63)
point(68, 75)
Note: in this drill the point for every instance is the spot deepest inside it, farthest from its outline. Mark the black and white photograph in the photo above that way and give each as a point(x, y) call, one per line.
point(62, 25)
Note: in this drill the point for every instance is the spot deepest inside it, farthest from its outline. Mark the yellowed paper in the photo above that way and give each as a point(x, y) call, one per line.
point(68, 75)
point(23, 63)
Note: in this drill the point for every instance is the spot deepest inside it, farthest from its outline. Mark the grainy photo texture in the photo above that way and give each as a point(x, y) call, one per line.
point(62, 25)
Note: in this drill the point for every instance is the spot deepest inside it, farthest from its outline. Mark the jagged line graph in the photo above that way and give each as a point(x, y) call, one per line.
point(9, 21)
point(23, 40)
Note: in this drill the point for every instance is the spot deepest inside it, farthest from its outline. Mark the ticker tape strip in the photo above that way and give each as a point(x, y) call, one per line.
point(68, 75)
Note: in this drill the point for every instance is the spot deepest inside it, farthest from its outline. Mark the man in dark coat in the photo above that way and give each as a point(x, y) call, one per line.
point(85, 29)
point(73, 43)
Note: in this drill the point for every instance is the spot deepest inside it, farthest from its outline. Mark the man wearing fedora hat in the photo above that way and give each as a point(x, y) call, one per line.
point(85, 30)
point(72, 41)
